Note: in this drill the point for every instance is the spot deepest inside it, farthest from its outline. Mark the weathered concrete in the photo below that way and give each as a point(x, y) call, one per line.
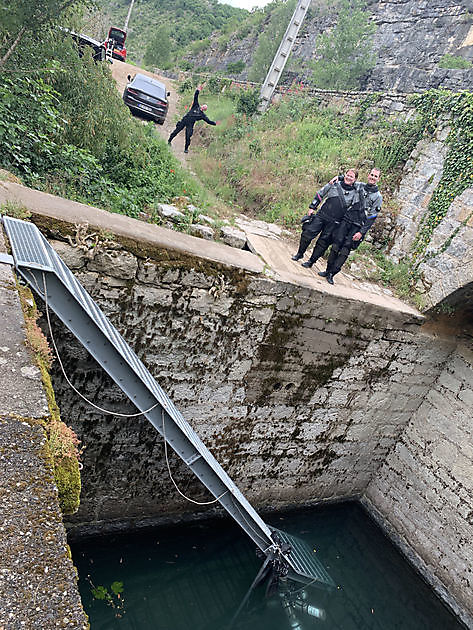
point(58, 209)
point(38, 583)
point(302, 391)
point(21, 390)
point(424, 490)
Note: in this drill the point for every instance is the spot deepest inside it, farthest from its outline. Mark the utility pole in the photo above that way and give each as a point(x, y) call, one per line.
point(125, 28)
point(282, 55)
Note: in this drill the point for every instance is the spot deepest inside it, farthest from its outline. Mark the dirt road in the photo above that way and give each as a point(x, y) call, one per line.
point(121, 70)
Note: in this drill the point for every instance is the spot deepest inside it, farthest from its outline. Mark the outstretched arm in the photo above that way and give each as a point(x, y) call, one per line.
point(207, 120)
point(195, 102)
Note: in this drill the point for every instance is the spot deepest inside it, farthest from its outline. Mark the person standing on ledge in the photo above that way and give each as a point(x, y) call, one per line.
point(196, 113)
point(352, 229)
point(339, 197)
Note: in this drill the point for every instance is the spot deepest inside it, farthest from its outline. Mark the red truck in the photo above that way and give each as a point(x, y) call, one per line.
point(115, 44)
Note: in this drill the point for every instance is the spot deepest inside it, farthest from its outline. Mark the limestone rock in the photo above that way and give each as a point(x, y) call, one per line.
point(120, 264)
point(233, 237)
point(171, 213)
point(202, 231)
point(205, 219)
point(73, 257)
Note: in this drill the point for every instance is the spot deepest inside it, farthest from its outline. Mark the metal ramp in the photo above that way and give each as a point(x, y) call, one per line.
point(282, 54)
point(43, 270)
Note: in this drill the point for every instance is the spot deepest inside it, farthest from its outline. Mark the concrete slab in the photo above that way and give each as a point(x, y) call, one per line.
point(277, 255)
point(268, 252)
point(21, 389)
point(73, 212)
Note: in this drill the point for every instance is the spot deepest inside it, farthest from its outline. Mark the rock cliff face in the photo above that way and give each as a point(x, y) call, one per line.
point(411, 38)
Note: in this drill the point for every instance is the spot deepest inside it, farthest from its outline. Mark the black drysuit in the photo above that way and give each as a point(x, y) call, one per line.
point(188, 121)
point(339, 196)
point(358, 218)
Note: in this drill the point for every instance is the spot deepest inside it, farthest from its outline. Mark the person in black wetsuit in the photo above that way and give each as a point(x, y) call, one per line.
point(339, 196)
point(356, 222)
point(196, 112)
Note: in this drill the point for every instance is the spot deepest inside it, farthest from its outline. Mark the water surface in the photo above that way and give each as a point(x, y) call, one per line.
point(194, 576)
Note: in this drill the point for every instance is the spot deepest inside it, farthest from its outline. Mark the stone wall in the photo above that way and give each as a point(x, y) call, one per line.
point(299, 394)
point(411, 38)
point(447, 265)
point(302, 396)
point(424, 490)
point(38, 582)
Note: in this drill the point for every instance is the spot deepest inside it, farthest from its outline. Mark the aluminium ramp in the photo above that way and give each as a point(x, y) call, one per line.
point(282, 54)
point(40, 266)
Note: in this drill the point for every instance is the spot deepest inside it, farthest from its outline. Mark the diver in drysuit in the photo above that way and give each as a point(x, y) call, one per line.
point(355, 224)
point(338, 196)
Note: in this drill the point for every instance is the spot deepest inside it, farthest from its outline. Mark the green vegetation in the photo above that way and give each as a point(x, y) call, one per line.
point(64, 129)
point(396, 276)
point(236, 67)
point(158, 51)
point(345, 54)
point(187, 21)
point(62, 443)
point(454, 62)
point(457, 175)
point(113, 597)
point(279, 15)
point(297, 147)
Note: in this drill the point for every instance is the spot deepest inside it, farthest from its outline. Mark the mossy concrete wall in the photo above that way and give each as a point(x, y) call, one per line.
point(300, 395)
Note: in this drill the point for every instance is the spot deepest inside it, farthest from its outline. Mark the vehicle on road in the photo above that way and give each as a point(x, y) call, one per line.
point(84, 42)
point(115, 44)
point(144, 95)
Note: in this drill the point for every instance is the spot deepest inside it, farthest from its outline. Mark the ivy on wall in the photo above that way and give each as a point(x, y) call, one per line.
point(456, 110)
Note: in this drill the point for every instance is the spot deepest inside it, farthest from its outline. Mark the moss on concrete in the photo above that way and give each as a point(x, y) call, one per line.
point(61, 442)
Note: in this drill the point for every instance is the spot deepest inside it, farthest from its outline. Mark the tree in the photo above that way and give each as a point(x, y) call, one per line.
point(20, 17)
point(158, 51)
point(345, 54)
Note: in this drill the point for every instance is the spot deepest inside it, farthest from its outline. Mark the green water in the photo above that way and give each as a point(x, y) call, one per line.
point(193, 577)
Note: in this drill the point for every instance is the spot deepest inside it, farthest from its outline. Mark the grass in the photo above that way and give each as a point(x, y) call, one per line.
point(396, 276)
point(271, 165)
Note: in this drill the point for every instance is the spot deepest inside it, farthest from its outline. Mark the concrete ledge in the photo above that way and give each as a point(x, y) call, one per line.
point(57, 208)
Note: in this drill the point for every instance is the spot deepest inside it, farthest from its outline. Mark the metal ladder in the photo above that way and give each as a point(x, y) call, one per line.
point(43, 270)
point(282, 55)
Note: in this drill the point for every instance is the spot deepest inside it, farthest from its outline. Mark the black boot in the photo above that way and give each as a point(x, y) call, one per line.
point(329, 277)
point(323, 274)
point(307, 264)
point(296, 257)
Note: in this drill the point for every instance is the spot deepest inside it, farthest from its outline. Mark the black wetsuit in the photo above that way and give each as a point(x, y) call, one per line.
point(358, 218)
point(339, 196)
point(188, 121)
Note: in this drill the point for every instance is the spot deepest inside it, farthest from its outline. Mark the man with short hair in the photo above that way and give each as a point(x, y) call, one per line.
point(338, 196)
point(355, 224)
point(188, 121)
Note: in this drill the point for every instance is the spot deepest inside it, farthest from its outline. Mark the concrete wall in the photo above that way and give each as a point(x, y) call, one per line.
point(299, 394)
point(424, 490)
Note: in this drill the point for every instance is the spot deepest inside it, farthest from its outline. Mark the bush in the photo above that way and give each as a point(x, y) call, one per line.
point(248, 101)
point(453, 62)
point(236, 67)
